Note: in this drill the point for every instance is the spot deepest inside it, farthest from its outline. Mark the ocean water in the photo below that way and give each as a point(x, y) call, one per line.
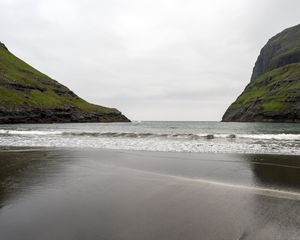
point(218, 137)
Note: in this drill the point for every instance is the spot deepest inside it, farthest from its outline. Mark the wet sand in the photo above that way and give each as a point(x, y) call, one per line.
point(101, 194)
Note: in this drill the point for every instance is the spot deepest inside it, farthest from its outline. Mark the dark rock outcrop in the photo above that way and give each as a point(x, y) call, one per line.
point(3, 46)
point(29, 96)
point(23, 114)
point(273, 94)
point(282, 49)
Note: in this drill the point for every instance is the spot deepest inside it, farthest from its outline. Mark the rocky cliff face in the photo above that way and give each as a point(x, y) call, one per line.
point(29, 96)
point(273, 94)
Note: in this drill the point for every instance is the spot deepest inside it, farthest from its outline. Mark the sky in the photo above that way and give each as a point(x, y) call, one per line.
point(151, 59)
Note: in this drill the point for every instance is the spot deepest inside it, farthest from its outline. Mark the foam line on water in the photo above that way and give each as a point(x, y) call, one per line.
point(276, 165)
point(258, 190)
point(187, 136)
point(276, 193)
point(29, 132)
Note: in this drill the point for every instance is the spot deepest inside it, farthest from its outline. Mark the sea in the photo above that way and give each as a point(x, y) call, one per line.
point(167, 136)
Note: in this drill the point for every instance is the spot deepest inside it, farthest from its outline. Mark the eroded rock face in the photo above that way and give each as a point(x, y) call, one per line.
point(29, 96)
point(23, 114)
point(3, 46)
point(273, 94)
point(282, 49)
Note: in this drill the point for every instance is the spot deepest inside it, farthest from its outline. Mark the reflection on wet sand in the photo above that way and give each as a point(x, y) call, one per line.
point(22, 169)
point(275, 217)
point(66, 194)
point(279, 171)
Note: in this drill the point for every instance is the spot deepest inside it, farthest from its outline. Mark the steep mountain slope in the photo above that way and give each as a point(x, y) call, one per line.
point(29, 96)
point(273, 95)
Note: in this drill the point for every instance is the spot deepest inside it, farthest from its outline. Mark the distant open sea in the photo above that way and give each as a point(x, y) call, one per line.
point(218, 137)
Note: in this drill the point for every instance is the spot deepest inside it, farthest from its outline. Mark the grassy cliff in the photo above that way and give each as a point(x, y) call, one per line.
point(273, 95)
point(24, 91)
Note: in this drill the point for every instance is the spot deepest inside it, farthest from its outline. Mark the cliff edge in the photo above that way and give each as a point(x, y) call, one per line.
point(29, 96)
point(273, 94)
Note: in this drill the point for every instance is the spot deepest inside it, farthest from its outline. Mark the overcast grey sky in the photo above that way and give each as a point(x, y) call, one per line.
point(151, 59)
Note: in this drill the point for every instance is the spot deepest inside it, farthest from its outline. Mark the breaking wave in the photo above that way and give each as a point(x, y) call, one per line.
point(28, 132)
point(185, 136)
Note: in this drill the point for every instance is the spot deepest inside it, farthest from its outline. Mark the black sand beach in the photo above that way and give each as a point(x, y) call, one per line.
point(67, 194)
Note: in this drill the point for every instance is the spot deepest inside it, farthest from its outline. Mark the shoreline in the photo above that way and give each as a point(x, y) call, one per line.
point(197, 159)
point(67, 193)
point(21, 148)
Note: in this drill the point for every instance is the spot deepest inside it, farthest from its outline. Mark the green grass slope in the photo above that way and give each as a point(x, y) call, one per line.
point(273, 96)
point(22, 85)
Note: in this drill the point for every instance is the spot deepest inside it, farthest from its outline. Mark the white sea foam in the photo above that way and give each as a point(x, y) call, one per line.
point(281, 136)
point(158, 136)
point(29, 132)
point(189, 136)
